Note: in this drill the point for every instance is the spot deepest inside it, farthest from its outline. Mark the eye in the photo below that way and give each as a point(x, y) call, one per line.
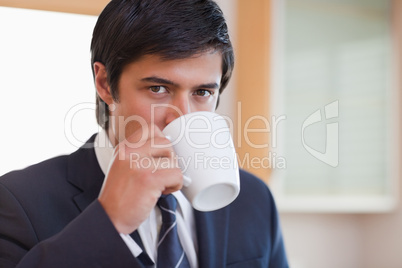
point(158, 89)
point(203, 93)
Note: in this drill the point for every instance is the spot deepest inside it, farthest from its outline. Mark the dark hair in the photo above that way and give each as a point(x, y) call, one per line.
point(173, 29)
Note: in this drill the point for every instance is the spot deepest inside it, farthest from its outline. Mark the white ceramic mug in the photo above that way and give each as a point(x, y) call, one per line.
point(207, 158)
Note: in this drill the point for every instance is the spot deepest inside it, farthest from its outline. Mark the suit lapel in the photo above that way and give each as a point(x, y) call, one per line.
point(85, 173)
point(212, 235)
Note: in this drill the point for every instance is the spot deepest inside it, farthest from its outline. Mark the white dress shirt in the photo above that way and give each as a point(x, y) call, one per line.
point(149, 229)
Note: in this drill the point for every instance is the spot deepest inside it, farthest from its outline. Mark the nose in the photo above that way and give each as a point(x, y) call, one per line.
point(179, 106)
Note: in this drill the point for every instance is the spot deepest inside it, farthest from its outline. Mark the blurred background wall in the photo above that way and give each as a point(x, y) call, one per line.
point(293, 57)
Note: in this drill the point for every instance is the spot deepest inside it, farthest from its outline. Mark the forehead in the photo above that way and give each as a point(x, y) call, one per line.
point(208, 64)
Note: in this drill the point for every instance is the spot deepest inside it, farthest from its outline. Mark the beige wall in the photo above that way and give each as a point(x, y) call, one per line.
point(253, 78)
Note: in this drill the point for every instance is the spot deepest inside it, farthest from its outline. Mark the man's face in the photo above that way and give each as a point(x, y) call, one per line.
point(152, 90)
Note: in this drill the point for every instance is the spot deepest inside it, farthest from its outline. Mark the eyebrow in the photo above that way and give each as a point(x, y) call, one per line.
point(159, 80)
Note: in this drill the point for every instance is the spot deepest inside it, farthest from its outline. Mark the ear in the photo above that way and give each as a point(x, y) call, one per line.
point(101, 84)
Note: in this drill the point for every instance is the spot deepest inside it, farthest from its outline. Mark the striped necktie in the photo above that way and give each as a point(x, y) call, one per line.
point(170, 251)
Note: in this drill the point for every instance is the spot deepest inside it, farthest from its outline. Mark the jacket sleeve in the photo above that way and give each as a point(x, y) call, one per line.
point(16, 232)
point(90, 240)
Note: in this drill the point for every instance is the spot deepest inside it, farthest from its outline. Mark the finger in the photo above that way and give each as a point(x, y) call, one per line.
point(162, 163)
point(161, 147)
point(170, 179)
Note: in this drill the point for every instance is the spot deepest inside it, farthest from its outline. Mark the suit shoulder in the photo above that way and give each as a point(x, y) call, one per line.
point(253, 189)
point(248, 180)
point(36, 174)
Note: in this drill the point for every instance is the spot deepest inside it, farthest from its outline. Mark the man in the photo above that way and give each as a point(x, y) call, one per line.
point(153, 60)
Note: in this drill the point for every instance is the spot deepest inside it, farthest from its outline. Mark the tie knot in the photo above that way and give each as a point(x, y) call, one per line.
point(168, 204)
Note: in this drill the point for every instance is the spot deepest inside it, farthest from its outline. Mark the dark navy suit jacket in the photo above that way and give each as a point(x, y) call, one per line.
point(50, 217)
